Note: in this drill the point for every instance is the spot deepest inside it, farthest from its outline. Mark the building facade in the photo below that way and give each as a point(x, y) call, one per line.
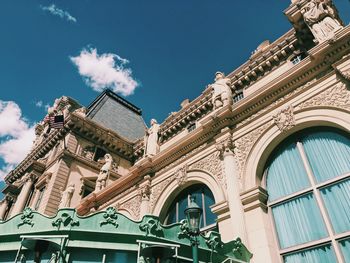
point(265, 150)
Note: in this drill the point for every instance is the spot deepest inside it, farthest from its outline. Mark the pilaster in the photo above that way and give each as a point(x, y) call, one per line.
point(225, 146)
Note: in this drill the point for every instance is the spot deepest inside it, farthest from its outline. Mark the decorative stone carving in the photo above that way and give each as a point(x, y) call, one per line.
point(104, 172)
point(81, 111)
point(244, 144)
point(276, 103)
point(158, 189)
point(181, 174)
point(110, 217)
point(222, 94)
point(26, 217)
point(226, 145)
point(213, 165)
point(133, 206)
point(65, 220)
point(88, 152)
point(151, 139)
point(336, 96)
point(66, 196)
point(151, 226)
point(145, 190)
point(284, 119)
point(321, 18)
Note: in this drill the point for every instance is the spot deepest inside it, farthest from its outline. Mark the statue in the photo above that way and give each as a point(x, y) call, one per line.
point(66, 196)
point(321, 19)
point(104, 172)
point(151, 139)
point(222, 94)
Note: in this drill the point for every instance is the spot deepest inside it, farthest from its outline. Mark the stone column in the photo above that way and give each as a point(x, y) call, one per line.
point(23, 195)
point(145, 192)
point(3, 208)
point(233, 189)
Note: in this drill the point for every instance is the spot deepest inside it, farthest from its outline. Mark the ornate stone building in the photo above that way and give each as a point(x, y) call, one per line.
point(265, 150)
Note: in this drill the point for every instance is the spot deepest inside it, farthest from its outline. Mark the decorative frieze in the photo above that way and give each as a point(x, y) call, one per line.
point(181, 174)
point(211, 164)
point(244, 144)
point(336, 96)
point(132, 206)
point(284, 119)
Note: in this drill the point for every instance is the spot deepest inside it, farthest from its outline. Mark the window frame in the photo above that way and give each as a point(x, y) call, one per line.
point(333, 238)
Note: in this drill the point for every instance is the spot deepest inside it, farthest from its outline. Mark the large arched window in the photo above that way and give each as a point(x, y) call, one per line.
point(203, 197)
point(308, 181)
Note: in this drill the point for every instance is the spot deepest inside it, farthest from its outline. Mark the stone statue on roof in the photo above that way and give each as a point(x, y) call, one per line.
point(104, 172)
point(67, 196)
point(151, 139)
point(321, 18)
point(222, 94)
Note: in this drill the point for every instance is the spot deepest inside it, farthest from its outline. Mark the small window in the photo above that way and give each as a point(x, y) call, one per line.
point(40, 197)
point(100, 153)
point(191, 127)
point(238, 97)
point(296, 59)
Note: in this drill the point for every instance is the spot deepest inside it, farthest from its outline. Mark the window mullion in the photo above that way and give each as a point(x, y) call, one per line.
point(320, 202)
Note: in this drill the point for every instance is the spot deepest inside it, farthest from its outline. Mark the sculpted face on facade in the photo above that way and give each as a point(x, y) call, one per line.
point(67, 196)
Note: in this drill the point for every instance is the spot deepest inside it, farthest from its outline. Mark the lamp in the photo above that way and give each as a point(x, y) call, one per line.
point(193, 215)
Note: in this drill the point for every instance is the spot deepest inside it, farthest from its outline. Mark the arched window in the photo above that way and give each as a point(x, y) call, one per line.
point(308, 182)
point(203, 197)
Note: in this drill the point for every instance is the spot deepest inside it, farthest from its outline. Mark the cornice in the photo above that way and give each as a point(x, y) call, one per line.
point(263, 62)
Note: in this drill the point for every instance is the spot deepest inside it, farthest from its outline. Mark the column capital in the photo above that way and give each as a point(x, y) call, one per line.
point(225, 147)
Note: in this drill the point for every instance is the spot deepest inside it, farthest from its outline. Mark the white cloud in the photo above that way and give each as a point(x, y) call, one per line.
point(16, 136)
point(54, 10)
point(105, 71)
point(41, 104)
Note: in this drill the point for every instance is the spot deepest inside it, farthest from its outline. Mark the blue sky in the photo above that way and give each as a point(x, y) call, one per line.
point(173, 49)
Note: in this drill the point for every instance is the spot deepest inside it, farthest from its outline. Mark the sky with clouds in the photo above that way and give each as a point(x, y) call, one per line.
point(154, 53)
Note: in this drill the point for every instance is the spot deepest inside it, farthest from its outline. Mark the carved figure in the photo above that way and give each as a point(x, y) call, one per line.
point(81, 111)
point(104, 172)
point(67, 196)
point(151, 139)
point(222, 94)
point(321, 19)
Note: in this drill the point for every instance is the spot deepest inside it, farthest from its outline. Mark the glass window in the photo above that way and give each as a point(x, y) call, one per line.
point(203, 197)
point(345, 248)
point(336, 198)
point(307, 179)
point(286, 173)
point(323, 254)
point(328, 154)
point(298, 221)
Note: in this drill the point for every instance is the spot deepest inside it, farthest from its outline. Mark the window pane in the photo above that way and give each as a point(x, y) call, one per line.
point(209, 201)
point(286, 173)
point(298, 221)
point(328, 154)
point(317, 255)
point(345, 248)
point(337, 200)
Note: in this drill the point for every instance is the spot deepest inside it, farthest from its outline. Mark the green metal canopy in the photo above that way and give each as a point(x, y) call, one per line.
point(107, 236)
